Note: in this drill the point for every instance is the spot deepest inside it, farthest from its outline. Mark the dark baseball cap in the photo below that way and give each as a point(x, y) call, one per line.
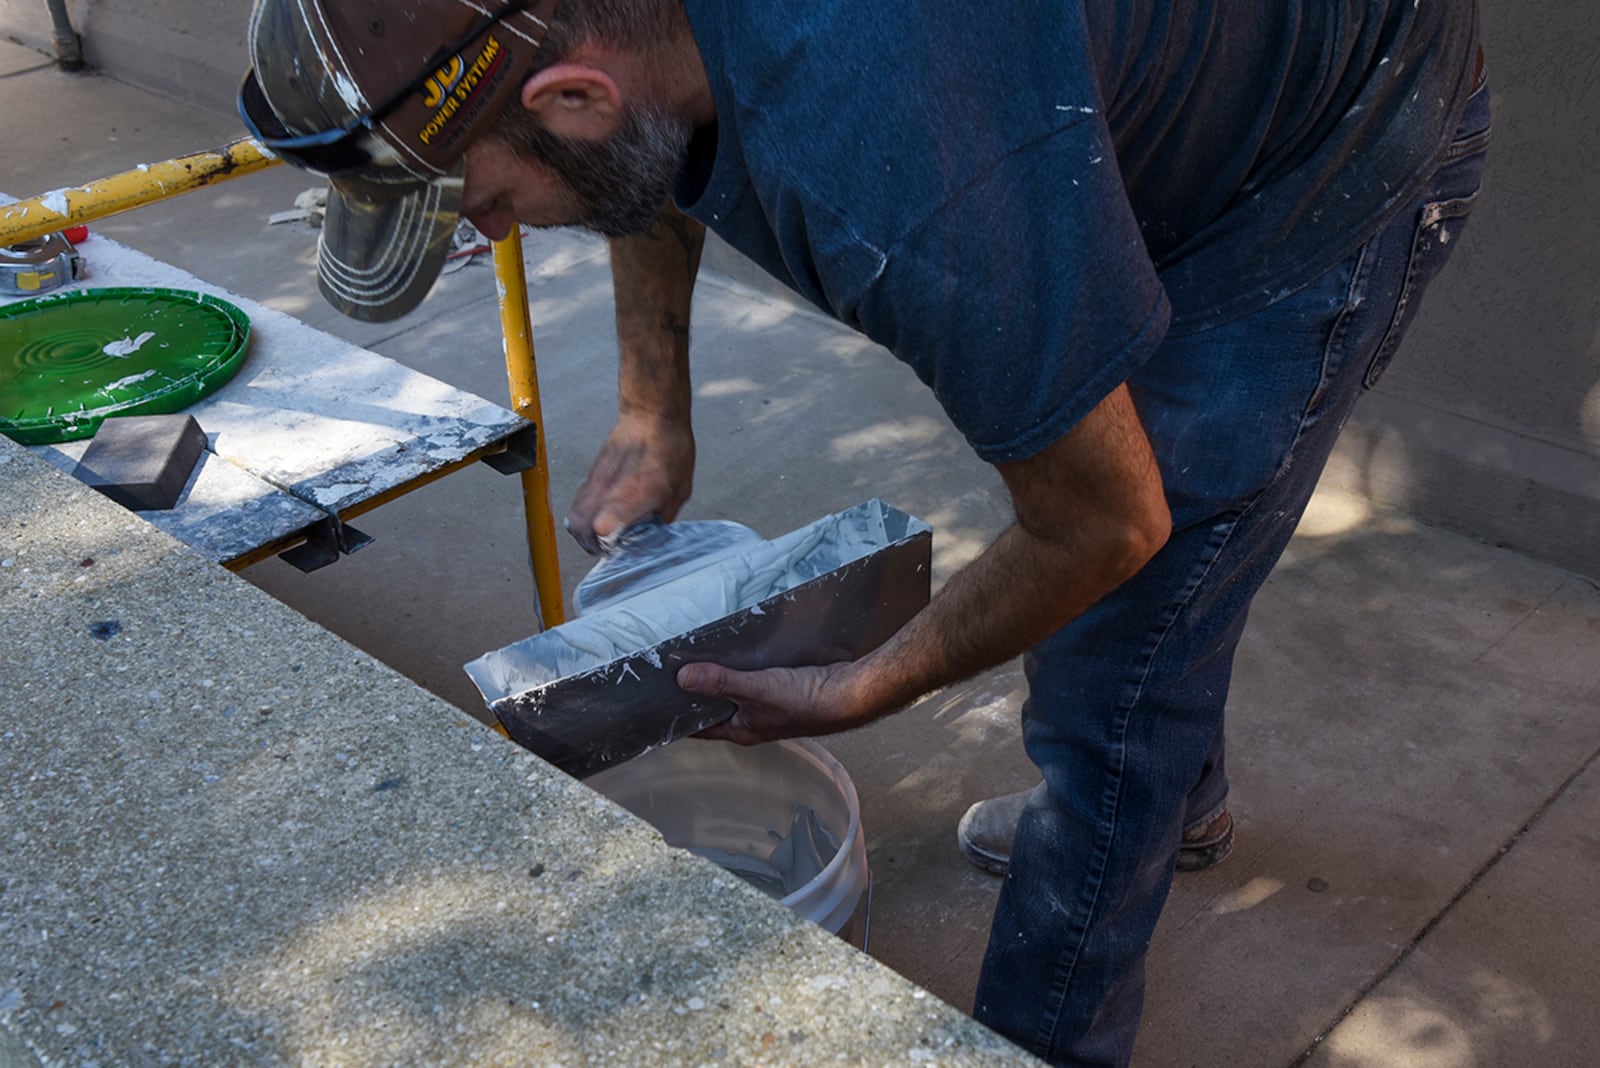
point(383, 97)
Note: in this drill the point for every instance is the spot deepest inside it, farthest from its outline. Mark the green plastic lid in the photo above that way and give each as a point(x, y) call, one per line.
point(69, 361)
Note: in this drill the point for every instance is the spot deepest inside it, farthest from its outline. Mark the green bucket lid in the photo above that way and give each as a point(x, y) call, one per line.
point(69, 361)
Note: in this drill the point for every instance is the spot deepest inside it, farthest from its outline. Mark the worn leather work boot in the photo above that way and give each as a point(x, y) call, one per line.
point(1207, 844)
point(985, 832)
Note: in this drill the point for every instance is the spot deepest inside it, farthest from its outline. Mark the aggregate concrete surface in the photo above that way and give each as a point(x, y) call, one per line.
point(1413, 732)
point(231, 837)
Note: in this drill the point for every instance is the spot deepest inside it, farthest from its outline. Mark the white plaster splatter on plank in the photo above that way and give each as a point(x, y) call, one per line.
point(331, 496)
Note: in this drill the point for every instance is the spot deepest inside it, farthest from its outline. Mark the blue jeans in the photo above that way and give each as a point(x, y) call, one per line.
point(1125, 709)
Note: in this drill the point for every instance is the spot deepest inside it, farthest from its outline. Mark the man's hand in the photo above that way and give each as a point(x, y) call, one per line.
point(645, 467)
point(777, 702)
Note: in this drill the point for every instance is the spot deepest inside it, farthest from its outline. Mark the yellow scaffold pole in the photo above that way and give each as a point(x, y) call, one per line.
point(522, 373)
point(28, 220)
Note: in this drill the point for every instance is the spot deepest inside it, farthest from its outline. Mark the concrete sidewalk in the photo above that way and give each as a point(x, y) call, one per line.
point(1415, 719)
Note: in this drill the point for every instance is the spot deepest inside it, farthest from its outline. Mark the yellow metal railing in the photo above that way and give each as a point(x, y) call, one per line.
point(28, 220)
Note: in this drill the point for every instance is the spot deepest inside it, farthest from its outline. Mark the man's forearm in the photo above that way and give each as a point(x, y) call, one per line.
point(646, 465)
point(1091, 513)
point(1018, 592)
point(653, 274)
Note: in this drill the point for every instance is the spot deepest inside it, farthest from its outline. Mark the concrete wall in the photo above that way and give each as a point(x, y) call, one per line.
point(193, 50)
point(1489, 420)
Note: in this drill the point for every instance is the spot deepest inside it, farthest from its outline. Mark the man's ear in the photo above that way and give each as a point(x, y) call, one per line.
point(574, 100)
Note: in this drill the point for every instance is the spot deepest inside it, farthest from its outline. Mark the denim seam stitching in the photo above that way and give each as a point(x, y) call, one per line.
point(1067, 963)
point(1352, 300)
point(1468, 145)
point(1434, 214)
point(1222, 534)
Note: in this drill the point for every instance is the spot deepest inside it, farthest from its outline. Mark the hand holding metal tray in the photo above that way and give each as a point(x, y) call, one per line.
point(602, 688)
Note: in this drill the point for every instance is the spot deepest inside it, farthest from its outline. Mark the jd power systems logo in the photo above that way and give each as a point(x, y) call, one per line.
point(443, 82)
point(452, 87)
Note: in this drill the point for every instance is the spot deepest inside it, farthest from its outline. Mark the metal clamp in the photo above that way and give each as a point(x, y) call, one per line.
point(520, 454)
point(325, 542)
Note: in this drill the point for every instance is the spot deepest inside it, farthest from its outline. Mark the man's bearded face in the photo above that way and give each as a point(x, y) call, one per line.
point(621, 182)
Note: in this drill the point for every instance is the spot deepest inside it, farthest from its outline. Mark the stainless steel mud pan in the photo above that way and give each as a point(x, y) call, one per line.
point(602, 688)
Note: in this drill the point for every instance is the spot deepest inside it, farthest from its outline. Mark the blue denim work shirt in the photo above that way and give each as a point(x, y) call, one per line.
point(1022, 200)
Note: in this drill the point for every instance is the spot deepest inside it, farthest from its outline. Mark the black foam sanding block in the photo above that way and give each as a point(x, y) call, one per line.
point(143, 462)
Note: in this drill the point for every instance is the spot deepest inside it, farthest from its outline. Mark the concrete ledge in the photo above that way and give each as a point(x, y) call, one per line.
point(230, 836)
point(1489, 482)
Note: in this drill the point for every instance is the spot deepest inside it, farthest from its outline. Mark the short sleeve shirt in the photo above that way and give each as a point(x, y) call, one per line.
point(1021, 200)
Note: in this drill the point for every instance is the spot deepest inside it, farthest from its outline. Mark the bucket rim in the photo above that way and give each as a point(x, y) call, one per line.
point(830, 763)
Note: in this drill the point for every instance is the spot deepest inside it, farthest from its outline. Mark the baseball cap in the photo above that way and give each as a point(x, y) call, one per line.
point(383, 97)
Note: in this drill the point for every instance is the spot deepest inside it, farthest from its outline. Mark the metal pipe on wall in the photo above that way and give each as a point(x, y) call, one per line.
point(69, 46)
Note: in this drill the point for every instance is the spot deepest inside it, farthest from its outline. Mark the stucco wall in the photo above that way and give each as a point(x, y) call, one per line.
point(189, 49)
point(1489, 419)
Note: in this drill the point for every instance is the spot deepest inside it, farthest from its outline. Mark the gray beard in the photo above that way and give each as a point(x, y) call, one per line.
point(621, 182)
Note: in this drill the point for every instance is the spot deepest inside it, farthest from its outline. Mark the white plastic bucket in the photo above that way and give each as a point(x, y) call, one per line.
point(714, 798)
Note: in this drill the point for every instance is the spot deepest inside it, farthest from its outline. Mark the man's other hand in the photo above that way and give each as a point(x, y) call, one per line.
point(645, 467)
